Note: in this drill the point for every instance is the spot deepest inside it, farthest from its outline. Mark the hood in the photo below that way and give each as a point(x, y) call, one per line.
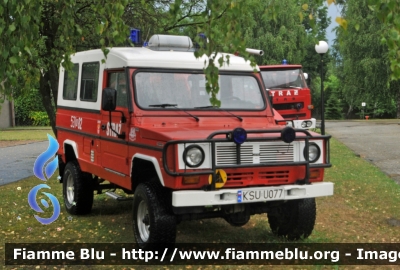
point(199, 132)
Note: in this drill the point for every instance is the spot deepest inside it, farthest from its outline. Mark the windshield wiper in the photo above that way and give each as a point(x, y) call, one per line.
point(214, 107)
point(206, 107)
point(164, 105)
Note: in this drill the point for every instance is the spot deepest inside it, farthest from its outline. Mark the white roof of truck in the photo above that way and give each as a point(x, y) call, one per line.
point(143, 57)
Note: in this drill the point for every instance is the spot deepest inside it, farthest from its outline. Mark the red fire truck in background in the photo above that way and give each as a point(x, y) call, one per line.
point(289, 93)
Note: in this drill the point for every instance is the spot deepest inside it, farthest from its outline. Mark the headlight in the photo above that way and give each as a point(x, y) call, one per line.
point(313, 152)
point(193, 156)
point(306, 124)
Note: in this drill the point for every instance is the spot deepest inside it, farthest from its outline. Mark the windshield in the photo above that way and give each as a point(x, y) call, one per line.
point(292, 78)
point(187, 91)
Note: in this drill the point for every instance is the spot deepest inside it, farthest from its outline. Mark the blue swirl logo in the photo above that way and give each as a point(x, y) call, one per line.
point(41, 160)
point(41, 171)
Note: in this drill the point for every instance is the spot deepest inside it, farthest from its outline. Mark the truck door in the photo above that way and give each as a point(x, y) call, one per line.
point(114, 137)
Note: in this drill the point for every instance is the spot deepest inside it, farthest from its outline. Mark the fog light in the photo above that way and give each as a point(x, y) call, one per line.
point(304, 124)
point(239, 135)
point(288, 135)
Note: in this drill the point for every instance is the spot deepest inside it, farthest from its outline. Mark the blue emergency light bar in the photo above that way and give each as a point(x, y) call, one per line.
point(135, 36)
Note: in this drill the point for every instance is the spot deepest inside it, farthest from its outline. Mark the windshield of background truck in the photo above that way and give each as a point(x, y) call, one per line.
point(283, 78)
point(187, 91)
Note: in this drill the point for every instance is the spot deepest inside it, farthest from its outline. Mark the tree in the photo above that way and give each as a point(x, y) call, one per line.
point(316, 31)
point(333, 107)
point(38, 36)
point(365, 60)
point(276, 29)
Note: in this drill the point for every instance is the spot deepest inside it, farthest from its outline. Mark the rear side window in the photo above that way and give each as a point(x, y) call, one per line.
point(89, 81)
point(71, 83)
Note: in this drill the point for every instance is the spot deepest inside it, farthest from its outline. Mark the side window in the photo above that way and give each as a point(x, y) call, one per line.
point(89, 81)
point(117, 80)
point(71, 83)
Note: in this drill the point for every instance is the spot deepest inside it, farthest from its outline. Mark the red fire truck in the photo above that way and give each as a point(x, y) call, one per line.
point(289, 93)
point(142, 120)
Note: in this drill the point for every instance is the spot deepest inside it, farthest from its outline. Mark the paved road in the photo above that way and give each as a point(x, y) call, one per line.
point(375, 141)
point(16, 162)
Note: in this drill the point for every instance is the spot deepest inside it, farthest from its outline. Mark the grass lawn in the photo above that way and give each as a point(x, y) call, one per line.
point(364, 209)
point(25, 133)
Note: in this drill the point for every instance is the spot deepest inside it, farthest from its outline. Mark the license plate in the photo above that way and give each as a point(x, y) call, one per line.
point(260, 195)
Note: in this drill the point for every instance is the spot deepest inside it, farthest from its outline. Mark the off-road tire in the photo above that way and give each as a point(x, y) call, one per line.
point(77, 189)
point(294, 219)
point(154, 225)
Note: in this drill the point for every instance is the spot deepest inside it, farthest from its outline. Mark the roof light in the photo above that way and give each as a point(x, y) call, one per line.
point(170, 42)
point(284, 62)
point(135, 36)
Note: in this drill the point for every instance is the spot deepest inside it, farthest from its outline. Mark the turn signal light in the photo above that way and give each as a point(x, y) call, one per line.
point(314, 174)
point(190, 180)
point(310, 107)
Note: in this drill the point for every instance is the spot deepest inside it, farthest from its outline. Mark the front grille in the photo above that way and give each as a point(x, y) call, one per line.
point(253, 153)
point(275, 177)
point(293, 116)
point(288, 106)
point(257, 178)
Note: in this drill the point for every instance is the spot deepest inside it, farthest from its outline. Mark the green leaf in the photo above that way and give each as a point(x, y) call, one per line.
point(12, 28)
point(28, 50)
point(394, 34)
point(13, 60)
point(357, 27)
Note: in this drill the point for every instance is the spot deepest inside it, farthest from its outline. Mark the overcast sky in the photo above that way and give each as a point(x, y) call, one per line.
point(333, 12)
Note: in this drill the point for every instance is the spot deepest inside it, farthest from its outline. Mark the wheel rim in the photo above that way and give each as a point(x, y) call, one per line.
point(143, 222)
point(70, 189)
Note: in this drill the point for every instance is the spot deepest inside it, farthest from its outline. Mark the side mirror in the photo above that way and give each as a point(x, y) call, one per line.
point(307, 78)
point(109, 99)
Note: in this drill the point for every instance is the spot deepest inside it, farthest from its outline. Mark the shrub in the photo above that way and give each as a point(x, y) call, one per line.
point(39, 118)
point(24, 104)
